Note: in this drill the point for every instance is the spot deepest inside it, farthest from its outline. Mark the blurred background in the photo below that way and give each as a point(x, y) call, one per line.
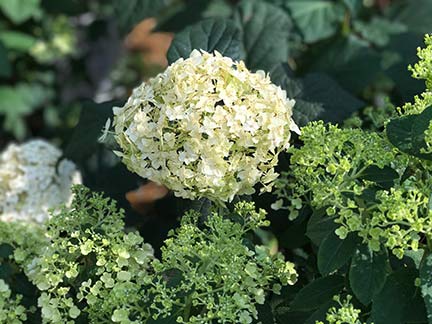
point(65, 64)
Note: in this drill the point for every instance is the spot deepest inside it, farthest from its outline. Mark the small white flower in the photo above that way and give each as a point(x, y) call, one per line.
point(206, 127)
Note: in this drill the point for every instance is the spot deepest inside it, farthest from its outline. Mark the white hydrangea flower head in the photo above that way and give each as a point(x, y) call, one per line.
point(205, 127)
point(33, 180)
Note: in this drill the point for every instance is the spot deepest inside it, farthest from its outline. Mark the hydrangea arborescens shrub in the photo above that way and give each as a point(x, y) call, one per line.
point(91, 269)
point(33, 179)
point(206, 127)
point(217, 276)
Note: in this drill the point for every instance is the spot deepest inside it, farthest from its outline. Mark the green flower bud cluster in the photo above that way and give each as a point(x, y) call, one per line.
point(334, 170)
point(11, 310)
point(20, 243)
point(218, 276)
point(91, 270)
point(422, 70)
point(344, 313)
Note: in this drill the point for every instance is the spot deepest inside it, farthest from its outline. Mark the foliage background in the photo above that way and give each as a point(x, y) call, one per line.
point(65, 64)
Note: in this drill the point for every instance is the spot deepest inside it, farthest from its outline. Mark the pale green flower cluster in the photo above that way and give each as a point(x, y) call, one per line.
point(334, 170)
point(218, 277)
point(19, 244)
point(33, 179)
point(206, 127)
point(422, 70)
point(91, 266)
point(11, 310)
point(344, 313)
point(428, 140)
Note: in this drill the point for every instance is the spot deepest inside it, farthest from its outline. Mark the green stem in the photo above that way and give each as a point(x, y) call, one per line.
point(187, 309)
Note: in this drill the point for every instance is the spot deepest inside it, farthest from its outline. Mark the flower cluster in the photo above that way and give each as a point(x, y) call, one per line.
point(19, 244)
point(344, 313)
point(206, 127)
point(11, 310)
point(90, 266)
point(421, 70)
point(217, 276)
point(341, 171)
point(33, 179)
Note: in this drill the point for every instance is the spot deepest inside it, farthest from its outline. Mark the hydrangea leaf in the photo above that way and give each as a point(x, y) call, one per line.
point(16, 40)
point(130, 12)
point(6, 69)
point(316, 19)
point(319, 291)
point(408, 13)
point(6, 250)
point(355, 58)
point(383, 177)
point(333, 252)
point(320, 313)
point(209, 35)
point(426, 285)
point(317, 95)
point(20, 10)
point(367, 273)
point(265, 31)
point(84, 139)
point(338, 104)
point(319, 226)
point(394, 304)
point(407, 133)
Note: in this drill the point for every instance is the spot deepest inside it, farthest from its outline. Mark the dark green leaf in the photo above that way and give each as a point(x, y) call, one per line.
point(353, 5)
point(383, 177)
point(5, 67)
point(404, 48)
point(189, 12)
point(317, 96)
point(20, 10)
point(6, 250)
point(209, 35)
point(284, 315)
point(17, 41)
point(426, 284)
point(407, 133)
point(378, 31)
point(367, 273)
point(416, 15)
point(333, 252)
point(320, 313)
point(84, 140)
point(295, 235)
point(394, 303)
point(354, 58)
point(316, 19)
point(319, 226)
point(128, 13)
point(265, 31)
point(265, 313)
point(317, 292)
point(338, 104)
